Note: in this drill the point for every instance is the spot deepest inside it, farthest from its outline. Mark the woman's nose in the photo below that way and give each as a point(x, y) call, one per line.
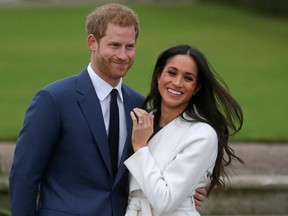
point(177, 81)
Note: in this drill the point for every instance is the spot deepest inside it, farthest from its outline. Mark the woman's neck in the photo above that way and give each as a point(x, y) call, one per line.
point(168, 115)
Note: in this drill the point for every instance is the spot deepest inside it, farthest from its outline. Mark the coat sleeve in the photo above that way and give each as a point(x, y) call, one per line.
point(168, 189)
point(34, 146)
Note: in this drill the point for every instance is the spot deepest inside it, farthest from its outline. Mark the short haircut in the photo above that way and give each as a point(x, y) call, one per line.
point(114, 13)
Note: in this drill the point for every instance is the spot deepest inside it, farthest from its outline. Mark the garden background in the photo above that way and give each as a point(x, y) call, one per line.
point(40, 44)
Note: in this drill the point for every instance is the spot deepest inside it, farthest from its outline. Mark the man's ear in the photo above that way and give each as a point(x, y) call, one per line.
point(92, 42)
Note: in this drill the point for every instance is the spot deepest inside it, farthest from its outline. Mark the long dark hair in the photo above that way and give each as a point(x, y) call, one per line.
point(212, 104)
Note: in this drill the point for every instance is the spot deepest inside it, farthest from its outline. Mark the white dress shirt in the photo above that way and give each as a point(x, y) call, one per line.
point(103, 90)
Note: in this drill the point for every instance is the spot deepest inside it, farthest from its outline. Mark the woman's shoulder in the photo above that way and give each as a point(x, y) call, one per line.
point(204, 128)
point(200, 129)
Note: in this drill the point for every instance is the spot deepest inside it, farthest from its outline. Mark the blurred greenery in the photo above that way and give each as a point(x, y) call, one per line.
point(4, 212)
point(41, 44)
point(271, 7)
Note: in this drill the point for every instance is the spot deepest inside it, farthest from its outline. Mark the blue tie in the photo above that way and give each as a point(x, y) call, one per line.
point(113, 134)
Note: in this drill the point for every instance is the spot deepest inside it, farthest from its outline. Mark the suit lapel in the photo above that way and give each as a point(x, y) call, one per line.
point(91, 108)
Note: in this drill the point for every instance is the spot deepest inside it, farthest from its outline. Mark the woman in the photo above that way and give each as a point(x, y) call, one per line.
point(183, 143)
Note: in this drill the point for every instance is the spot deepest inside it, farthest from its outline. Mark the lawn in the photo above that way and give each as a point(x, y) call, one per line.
point(41, 44)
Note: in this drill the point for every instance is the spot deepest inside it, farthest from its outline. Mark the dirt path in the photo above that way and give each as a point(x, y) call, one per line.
point(260, 159)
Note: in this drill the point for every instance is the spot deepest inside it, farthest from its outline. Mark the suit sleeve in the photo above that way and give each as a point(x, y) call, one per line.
point(168, 189)
point(34, 147)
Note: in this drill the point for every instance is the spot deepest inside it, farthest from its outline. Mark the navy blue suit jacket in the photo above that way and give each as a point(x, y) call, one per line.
point(63, 150)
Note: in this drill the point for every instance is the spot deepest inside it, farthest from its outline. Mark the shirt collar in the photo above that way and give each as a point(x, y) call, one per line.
point(101, 87)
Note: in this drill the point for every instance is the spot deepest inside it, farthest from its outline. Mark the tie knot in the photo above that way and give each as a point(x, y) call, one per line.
point(114, 93)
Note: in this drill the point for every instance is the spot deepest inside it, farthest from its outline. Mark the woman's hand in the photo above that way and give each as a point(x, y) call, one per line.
point(142, 128)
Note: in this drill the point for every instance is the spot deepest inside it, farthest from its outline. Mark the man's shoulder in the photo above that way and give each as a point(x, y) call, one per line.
point(132, 96)
point(131, 92)
point(64, 83)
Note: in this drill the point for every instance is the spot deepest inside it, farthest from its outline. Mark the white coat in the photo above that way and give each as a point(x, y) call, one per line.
point(165, 174)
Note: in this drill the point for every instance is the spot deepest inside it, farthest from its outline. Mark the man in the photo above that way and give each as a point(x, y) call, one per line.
point(62, 153)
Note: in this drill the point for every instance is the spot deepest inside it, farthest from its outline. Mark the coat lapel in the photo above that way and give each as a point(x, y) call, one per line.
point(129, 104)
point(91, 108)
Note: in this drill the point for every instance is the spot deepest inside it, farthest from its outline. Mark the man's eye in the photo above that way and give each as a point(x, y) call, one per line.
point(114, 45)
point(130, 47)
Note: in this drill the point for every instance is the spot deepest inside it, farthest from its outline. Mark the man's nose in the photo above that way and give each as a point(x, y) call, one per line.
point(122, 53)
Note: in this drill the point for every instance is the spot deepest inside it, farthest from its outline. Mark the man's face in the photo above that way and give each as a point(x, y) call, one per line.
point(113, 55)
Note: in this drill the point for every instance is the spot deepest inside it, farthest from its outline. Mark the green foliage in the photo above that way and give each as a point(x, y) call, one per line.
point(271, 7)
point(4, 212)
point(43, 44)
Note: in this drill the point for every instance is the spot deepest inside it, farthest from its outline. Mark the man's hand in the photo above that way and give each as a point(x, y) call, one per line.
point(199, 197)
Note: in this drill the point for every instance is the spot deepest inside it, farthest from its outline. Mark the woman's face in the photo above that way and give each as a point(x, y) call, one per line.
point(178, 82)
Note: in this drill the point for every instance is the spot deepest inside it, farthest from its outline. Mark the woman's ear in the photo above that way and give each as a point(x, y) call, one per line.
point(158, 77)
point(197, 89)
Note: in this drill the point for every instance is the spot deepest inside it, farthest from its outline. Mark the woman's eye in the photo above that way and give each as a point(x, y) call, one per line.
point(172, 73)
point(188, 78)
